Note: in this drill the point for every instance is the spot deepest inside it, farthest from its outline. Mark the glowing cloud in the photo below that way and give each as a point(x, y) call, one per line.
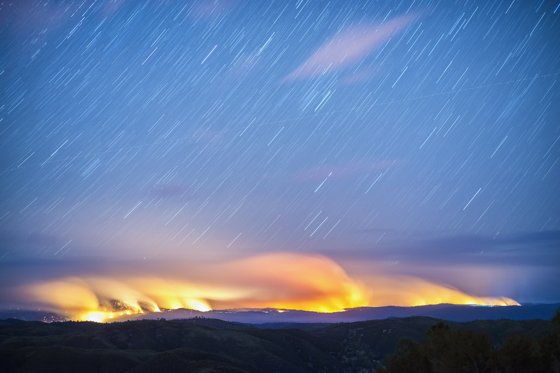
point(279, 280)
point(413, 291)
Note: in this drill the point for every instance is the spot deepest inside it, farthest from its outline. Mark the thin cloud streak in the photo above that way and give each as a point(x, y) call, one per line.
point(348, 47)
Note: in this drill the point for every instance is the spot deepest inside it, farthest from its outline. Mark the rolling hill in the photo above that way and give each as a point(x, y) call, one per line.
point(210, 345)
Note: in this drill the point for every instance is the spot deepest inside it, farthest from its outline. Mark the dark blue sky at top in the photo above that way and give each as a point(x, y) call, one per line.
point(424, 134)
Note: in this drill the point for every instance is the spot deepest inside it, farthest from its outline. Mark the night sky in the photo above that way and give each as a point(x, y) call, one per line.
point(419, 138)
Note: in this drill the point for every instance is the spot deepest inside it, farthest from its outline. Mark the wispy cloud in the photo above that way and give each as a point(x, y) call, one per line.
point(512, 249)
point(348, 47)
point(170, 190)
point(25, 16)
point(212, 8)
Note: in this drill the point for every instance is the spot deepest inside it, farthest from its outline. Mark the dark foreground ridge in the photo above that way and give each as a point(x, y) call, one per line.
point(208, 345)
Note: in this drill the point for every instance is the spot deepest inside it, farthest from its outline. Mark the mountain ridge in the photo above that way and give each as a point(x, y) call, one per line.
point(448, 312)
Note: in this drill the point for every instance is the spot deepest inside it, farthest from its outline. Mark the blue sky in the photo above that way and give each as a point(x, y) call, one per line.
point(420, 136)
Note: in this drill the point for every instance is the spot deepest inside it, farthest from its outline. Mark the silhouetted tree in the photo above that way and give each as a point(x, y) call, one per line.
point(454, 350)
point(521, 353)
point(409, 357)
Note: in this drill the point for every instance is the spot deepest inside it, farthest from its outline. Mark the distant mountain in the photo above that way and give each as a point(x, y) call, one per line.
point(448, 312)
point(31, 315)
point(209, 345)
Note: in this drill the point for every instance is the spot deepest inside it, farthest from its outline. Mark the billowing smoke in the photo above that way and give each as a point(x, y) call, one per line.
point(279, 280)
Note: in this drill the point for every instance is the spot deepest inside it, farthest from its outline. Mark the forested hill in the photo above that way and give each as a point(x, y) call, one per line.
point(209, 345)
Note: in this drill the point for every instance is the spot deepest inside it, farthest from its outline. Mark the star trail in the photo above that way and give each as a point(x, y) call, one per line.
point(410, 138)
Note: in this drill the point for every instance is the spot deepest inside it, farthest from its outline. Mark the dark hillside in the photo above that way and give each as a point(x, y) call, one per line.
point(209, 345)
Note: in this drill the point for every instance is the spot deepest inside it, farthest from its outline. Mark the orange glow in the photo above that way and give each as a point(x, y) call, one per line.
point(412, 291)
point(280, 280)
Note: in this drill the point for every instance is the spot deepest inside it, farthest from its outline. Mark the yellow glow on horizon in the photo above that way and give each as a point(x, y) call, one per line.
point(94, 316)
point(198, 305)
point(103, 316)
point(281, 280)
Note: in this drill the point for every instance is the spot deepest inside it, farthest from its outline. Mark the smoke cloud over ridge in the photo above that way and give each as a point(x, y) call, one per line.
point(276, 280)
